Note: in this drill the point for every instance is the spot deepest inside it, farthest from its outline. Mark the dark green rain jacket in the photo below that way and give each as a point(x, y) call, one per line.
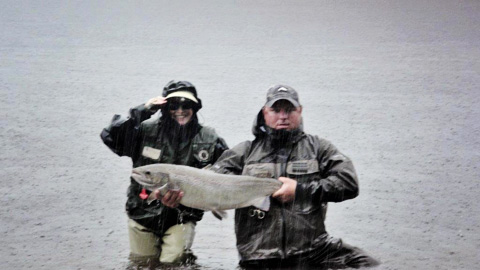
point(292, 229)
point(159, 139)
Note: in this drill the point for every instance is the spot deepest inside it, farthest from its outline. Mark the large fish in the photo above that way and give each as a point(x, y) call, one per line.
point(207, 190)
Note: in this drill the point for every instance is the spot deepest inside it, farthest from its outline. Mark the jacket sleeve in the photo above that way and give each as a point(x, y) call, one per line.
point(121, 136)
point(338, 177)
point(232, 160)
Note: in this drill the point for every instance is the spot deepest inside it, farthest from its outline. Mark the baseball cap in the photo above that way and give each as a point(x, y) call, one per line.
point(278, 92)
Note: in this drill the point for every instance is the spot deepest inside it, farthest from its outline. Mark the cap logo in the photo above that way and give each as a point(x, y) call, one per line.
point(282, 89)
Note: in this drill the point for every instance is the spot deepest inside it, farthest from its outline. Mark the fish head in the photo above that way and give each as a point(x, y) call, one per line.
point(150, 176)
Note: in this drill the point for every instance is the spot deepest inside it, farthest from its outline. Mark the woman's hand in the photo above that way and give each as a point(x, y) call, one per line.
point(155, 103)
point(171, 199)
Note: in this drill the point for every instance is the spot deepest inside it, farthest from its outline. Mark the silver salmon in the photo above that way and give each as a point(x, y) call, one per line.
point(207, 190)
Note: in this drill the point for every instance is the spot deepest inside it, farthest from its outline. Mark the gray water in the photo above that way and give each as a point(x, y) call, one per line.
point(393, 84)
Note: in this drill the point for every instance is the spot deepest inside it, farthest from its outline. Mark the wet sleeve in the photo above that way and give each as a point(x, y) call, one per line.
point(123, 133)
point(338, 179)
point(232, 160)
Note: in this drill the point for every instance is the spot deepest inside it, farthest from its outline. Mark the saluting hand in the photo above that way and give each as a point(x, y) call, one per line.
point(286, 193)
point(155, 103)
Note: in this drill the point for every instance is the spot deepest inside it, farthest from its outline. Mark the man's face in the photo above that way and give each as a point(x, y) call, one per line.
point(180, 110)
point(282, 115)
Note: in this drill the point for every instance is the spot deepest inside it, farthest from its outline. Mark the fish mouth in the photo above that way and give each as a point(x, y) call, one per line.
point(143, 179)
point(137, 176)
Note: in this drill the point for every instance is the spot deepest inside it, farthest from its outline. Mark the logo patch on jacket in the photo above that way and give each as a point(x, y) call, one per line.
point(203, 155)
point(202, 151)
point(151, 152)
point(300, 167)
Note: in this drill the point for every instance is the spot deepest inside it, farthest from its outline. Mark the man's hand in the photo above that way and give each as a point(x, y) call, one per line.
point(155, 103)
point(286, 193)
point(171, 199)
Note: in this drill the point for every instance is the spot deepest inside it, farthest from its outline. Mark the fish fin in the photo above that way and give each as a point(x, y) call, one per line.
point(262, 203)
point(163, 190)
point(220, 214)
point(151, 198)
point(171, 186)
point(207, 167)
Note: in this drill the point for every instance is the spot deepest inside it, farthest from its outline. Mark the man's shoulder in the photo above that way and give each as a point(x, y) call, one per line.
point(242, 148)
point(243, 144)
point(308, 136)
point(316, 140)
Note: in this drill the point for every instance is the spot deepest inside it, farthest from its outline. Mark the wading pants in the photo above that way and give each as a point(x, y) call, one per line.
point(331, 254)
point(171, 248)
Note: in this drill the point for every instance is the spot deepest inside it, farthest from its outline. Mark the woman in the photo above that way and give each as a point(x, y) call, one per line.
point(158, 230)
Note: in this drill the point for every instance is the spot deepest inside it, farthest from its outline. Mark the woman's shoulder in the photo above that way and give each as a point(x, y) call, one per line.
point(208, 131)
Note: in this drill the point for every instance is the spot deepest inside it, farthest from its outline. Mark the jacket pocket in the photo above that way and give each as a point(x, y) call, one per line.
point(262, 170)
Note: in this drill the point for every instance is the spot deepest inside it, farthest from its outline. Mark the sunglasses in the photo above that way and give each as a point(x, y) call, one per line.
point(186, 105)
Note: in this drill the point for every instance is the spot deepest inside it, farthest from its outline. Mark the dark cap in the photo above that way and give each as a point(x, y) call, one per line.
point(278, 92)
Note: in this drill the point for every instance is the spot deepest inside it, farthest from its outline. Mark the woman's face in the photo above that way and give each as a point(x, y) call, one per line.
point(181, 110)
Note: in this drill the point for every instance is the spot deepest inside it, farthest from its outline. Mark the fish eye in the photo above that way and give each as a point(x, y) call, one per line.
point(147, 173)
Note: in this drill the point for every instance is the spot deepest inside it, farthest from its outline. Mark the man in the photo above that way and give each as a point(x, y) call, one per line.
point(292, 233)
point(156, 231)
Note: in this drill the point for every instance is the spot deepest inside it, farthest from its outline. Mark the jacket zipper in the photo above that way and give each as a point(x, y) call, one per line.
point(283, 172)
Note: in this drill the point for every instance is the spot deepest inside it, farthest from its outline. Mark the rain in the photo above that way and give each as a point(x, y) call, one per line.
point(393, 84)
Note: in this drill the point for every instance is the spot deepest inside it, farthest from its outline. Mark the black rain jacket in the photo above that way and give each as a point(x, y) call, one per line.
point(149, 140)
point(292, 229)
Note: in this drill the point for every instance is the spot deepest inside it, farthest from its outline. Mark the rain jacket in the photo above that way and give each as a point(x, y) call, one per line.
point(323, 175)
point(159, 139)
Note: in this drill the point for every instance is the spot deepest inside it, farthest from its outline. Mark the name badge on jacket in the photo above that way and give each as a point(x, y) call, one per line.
point(151, 153)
